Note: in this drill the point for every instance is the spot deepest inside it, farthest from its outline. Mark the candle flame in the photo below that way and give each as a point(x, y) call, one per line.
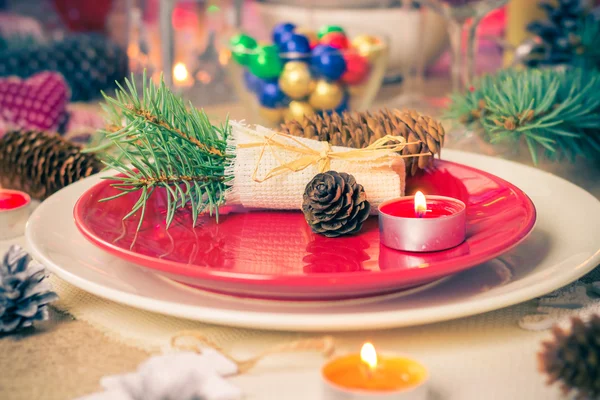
point(420, 204)
point(180, 72)
point(368, 355)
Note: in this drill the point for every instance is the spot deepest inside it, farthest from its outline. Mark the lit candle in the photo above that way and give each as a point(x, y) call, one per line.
point(14, 212)
point(420, 224)
point(369, 376)
point(420, 204)
point(181, 76)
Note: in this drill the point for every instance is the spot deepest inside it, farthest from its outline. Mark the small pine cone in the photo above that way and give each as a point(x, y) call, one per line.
point(358, 130)
point(41, 164)
point(23, 292)
point(334, 204)
point(573, 358)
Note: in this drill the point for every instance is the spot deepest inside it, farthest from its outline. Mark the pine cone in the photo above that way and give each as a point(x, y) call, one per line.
point(41, 164)
point(358, 130)
point(573, 358)
point(23, 294)
point(334, 204)
point(558, 34)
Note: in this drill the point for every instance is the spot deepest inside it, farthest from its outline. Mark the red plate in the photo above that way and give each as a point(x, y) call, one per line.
point(273, 254)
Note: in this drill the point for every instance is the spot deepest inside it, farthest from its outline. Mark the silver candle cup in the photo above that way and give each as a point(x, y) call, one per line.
point(411, 233)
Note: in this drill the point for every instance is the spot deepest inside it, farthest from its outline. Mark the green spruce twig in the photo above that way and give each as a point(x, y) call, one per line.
point(553, 112)
point(162, 143)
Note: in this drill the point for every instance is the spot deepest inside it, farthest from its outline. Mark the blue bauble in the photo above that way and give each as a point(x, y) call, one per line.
point(328, 62)
point(272, 96)
point(294, 43)
point(280, 29)
point(253, 82)
point(320, 49)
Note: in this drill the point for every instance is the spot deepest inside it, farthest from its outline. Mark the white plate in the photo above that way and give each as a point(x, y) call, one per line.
point(563, 247)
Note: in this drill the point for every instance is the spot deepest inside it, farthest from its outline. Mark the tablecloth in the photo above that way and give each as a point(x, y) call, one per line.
point(482, 357)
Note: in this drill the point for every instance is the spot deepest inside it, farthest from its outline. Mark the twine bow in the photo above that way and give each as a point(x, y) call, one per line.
point(323, 345)
point(378, 151)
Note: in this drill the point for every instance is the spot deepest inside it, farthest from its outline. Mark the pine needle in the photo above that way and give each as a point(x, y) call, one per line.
point(159, 142)
point(557, 112)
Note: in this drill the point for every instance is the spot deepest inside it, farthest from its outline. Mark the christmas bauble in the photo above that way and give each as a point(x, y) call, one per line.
point(343, 106)
point(320, 49)
point(295, 80)
point(324, 30)
point(253, 82)
point(337, 40)
point(326, 96)
point(266, 62)
point(241, 48)
point(297, 110)
point(293, 45)
point(368, 46)
point(273, 115)
point(357, 68)
point(328, 62)
point(280, 29)
point(272, 96)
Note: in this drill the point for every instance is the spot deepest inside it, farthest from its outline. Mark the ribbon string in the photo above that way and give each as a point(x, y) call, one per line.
point(379, 151)
point(324, 345)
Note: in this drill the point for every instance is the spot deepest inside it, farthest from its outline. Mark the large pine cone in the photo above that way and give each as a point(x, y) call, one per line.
point(40, 163)
point(334, 204)
point(360, 129)
point(573, 358)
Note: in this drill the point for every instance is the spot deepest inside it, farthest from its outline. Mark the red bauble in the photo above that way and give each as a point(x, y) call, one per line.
point(357, 68)
point(313, 44)
point(336, 39)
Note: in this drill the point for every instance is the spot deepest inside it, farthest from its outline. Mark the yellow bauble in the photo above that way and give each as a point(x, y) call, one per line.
point(310, 34)
point(295, 80)
point(368, 46)
point(273, 115)
point(326, 96)
point(297, 110)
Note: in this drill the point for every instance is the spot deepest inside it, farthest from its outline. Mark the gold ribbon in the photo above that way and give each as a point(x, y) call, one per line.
point(378, 151)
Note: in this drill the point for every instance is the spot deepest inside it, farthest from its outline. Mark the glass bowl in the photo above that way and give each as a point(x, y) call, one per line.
point(303, 73)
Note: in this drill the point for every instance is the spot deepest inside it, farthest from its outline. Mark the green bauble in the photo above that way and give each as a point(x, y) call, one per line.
point(242, 47)
point(324, 30)
point(266, 62)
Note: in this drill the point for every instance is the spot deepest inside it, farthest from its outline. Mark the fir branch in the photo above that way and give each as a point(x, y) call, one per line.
point(554, 112)
point(163, 143)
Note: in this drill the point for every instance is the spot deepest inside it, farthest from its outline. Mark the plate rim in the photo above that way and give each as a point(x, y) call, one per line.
point(332, 322)
point(349, 280)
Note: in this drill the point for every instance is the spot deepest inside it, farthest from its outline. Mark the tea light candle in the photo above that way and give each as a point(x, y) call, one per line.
point(420, 224)
point(367, 376)
point(14, 212)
